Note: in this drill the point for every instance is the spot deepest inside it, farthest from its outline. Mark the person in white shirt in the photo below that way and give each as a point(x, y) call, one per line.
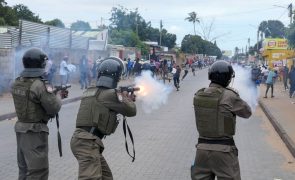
point(63, 70)
point(49, 69)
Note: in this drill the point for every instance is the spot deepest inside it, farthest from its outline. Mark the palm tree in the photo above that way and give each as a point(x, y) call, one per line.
point(193, 18)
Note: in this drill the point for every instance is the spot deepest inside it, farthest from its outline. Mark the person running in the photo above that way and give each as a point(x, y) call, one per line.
point(176, 75)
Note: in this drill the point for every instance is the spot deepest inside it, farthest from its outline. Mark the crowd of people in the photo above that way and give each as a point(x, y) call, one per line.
point(269, 75)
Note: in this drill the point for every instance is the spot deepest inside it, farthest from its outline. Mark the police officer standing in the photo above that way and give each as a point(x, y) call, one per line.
point(97, 117)
point(35, 103)
point(216, 108)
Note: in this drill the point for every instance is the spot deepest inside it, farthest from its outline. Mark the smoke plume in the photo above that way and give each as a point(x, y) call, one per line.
point(246, 88)
point(153, 93)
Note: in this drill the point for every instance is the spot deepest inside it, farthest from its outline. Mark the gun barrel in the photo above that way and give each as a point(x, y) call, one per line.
point(136, 89)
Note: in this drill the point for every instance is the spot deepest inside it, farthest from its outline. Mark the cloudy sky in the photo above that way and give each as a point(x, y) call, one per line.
point(232, 21)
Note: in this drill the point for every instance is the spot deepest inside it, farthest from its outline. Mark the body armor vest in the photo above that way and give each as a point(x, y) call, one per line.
point(210, 121)
point(27, 110)
point(93, 113)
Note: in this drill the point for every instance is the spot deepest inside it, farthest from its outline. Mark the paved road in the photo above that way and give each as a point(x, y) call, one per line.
point(164, 142)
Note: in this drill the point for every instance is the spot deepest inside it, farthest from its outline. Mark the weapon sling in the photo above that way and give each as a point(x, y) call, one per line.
point(58, 136)
point(125, 124)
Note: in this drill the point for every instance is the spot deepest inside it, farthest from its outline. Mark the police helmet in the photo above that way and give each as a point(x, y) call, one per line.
point(34, 58)
point(109, 72)
point(221, 72)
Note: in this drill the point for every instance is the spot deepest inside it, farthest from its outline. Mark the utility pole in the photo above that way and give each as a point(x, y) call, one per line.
point(136, 25)
point(257, 41)
point(161, 26)
point(290, 7)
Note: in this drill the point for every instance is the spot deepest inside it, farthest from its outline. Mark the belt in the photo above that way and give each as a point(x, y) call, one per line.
point(92, 130)
point(230, 142)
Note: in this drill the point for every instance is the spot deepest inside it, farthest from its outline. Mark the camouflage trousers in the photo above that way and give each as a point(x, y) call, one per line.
point(32, 155)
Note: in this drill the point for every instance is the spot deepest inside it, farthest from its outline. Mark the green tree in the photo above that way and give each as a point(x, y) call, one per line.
point(272, 29)
point(291, 35)
point(7, 14)
point(2, 21)
point(192, 44)
point(196, 45)
point(168, 39)
point(193, 18)
point(124, 37)
point(23, 12)
point(55, 22)
point(80, 26)
point(124, 19)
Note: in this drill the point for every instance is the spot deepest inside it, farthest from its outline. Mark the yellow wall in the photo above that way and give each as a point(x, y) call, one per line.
point(275, 55)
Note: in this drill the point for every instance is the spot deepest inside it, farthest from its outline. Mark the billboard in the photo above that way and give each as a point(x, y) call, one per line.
point(227, 53)
point(275, 43)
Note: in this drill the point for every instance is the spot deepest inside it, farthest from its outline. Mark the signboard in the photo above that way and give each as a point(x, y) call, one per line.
point(275, 43)
point(278, 55)
point(227, 53)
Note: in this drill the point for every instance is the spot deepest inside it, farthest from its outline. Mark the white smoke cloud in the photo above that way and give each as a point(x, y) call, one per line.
point(153, 93)
point(246, 88)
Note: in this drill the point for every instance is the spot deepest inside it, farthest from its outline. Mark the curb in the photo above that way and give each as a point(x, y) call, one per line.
point(9, 116)
point(280, 130)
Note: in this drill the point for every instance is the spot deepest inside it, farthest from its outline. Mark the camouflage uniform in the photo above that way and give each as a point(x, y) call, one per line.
point(219, 156)
point(34, 106)
point(86, 143)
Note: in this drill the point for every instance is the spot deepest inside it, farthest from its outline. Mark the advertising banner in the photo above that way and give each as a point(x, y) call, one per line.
point(275, 43)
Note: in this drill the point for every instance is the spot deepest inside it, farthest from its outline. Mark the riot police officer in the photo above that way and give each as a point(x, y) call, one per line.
point(97, 117)
point(216, 108)
point(35, 103)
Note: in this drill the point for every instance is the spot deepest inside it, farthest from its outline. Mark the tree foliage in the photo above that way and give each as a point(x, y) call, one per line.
point(55, 22)
point(291, 35)
point(272, 29)
point(125, 19)
point(193, 18)
point(23, 12)
point(7, 14)
point(127, 38)
point(194, 44)
point(80, 26)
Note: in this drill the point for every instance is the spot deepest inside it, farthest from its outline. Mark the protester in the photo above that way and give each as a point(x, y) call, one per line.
point(186, 69)
point(83, 66)
point(270, 82)
point(64, 71)
point(292, 81)
point(285, 73)
point(176, 74)
point(50, 69)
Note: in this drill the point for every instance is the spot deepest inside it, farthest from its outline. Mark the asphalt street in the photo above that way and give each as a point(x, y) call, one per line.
point(164, 141)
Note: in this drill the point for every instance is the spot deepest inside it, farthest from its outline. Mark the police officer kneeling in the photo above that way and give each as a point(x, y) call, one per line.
point(216, 108)
point(35, 103)
point(97, 117)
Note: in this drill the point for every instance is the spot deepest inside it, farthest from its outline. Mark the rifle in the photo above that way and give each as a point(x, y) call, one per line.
point(129, 89)
point(64, 93)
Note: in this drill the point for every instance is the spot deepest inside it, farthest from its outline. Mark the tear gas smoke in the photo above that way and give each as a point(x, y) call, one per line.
point(153, 93)
point(246, 88)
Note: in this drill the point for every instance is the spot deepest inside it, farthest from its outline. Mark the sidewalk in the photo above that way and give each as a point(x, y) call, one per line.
point(280, 110)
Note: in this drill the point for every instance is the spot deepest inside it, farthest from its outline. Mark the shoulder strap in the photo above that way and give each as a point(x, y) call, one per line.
point(58, 135)
point(125, 125)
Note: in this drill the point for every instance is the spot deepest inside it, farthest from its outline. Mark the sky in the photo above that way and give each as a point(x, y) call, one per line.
point(232, 21)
